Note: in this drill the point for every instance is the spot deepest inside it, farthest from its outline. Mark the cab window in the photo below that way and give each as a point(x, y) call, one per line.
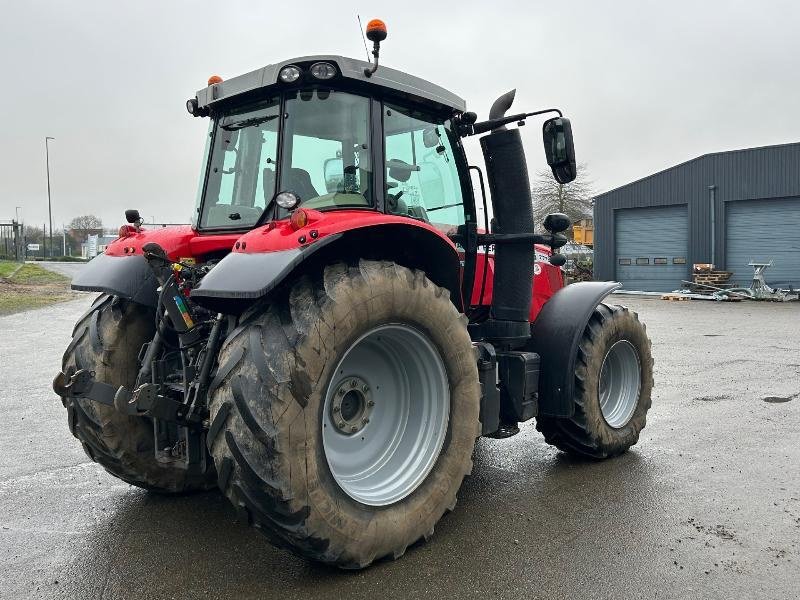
point(421, 172)
point(326, 158)
point(241, 177)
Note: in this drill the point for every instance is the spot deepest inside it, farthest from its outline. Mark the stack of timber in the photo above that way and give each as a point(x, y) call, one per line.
point(717, 279)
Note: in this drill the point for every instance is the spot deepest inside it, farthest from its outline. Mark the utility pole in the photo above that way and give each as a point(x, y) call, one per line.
point(19, 239)
point(49, 204)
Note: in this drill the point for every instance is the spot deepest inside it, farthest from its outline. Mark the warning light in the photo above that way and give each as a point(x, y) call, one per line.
point(376, 30)
point(214, 79)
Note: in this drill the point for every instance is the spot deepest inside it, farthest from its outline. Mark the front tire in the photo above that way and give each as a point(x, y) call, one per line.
point(300, 451)
point(613, 382)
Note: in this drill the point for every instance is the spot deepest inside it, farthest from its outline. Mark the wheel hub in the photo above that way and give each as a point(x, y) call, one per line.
point(385, 414)
point(351, 405)
point(620, 383)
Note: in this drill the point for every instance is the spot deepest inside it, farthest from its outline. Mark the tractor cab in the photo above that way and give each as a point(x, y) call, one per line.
point(336, 143)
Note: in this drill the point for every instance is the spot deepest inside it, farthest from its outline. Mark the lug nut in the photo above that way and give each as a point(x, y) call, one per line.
point(370, 403)
point(353, 428)
point(353, 383)
point(336, 409)
point(364, 421)
point(340, 424)
point(341, 392)
point(365, 388)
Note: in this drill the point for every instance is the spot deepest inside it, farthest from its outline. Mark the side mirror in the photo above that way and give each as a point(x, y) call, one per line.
point(334, 175)
point(560, 149)
point(557, 222)
point(430, 137)
point(400, 170)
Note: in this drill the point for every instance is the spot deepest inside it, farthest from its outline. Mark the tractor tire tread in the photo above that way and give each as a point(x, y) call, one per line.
point(586, 433)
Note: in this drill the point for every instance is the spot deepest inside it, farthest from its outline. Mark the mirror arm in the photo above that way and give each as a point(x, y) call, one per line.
point(484, 126)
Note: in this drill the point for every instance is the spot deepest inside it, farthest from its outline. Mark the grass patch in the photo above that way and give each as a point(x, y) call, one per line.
point(7, 267)
point(30, 287)
point(36, 275)
point(19, 302)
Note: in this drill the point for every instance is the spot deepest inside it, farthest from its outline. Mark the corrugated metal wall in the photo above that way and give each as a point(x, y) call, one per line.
point(756, 173)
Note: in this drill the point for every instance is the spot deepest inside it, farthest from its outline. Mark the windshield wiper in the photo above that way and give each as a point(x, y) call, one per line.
point(252, 121)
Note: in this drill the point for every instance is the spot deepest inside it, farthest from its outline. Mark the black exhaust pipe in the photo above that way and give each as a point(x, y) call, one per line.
point(507, 172)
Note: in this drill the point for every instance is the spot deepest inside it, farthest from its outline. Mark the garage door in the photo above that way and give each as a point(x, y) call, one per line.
point(764, 230)
point(652, 247)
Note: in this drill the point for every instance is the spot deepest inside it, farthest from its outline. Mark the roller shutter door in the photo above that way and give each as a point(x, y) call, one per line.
point(652, 248)
point(764, 230)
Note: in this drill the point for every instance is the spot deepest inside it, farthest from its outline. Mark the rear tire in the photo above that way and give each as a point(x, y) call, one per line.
point(609, 413)
point(271, 409)
point(107, 340)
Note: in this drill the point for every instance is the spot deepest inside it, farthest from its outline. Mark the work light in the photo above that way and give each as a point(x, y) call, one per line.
point(289, 74)
point(323, 70)
point(287, 200)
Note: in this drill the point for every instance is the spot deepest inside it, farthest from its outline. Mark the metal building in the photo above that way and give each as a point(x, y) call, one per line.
point(726, 208)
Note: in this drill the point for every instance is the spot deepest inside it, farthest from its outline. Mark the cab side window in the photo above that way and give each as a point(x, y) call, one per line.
point(421, 172)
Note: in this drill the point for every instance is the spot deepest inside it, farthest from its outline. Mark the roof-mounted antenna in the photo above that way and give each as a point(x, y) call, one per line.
point(361, 29)
point(376, 33)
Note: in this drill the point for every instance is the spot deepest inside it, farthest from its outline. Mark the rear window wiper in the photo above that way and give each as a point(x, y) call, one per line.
point(252, 121)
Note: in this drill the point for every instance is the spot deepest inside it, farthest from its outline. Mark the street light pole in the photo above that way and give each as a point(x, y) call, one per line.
point(49, 204)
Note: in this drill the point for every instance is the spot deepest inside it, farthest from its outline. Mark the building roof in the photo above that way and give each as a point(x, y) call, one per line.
point(702, 157)
point(350, 68)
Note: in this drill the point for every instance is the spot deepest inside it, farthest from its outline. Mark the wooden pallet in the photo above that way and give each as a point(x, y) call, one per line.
point(712, 278)
point(675, 297)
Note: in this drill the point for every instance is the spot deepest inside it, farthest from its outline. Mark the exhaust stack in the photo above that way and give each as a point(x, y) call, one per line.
point(507, 172)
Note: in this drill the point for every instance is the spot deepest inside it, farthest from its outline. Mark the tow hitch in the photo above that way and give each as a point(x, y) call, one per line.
point(144, 401)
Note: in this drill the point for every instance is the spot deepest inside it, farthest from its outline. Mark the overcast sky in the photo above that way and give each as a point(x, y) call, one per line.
point(646, 84)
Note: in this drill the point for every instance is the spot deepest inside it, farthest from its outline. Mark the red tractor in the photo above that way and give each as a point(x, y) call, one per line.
point(335, 329)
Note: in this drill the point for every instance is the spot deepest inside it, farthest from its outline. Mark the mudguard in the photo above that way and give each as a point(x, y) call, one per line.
point(555, 336)
point(241, 276)
point(126, 276)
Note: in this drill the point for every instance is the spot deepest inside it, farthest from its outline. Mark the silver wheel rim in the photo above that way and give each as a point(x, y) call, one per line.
point(620, 382)
point(385, 414)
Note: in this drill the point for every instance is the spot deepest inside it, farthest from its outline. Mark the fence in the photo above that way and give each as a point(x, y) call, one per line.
point(11, 241)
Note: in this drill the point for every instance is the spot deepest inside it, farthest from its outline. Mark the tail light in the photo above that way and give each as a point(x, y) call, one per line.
point(299, 219)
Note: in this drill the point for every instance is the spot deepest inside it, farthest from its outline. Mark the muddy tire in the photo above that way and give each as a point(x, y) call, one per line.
point(107, 340)
point(288, 415)
point(613, 381)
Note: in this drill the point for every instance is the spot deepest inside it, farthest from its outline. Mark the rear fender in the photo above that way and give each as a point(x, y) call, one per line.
point(241, 278)
point(126, 276)
point(555, 336)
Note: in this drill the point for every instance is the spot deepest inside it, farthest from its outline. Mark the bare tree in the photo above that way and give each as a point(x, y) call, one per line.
point(81, 227)
point(574, 199)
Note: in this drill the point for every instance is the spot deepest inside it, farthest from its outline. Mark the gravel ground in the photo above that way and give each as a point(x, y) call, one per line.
point(707, 505)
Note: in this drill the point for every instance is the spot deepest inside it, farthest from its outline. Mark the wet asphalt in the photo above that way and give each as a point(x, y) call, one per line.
point(707, 505)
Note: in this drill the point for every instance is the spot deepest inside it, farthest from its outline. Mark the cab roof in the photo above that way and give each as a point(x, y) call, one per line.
point(394, 81)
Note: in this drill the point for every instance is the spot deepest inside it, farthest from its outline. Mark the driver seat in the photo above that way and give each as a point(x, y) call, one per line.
point(299, 182)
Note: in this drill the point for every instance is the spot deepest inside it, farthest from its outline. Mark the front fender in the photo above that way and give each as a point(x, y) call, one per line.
point(126, 276)
point(555, 336)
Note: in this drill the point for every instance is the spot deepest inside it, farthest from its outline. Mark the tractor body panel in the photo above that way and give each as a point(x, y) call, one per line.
point(547, 280)
point(264, 257)
point(555, 336)
point(122, 269)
